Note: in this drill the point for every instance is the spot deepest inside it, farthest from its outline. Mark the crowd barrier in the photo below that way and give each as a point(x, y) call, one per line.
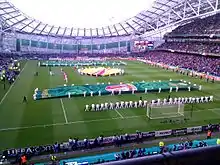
point(107, 141)
point(198, 156)
point(148, 151)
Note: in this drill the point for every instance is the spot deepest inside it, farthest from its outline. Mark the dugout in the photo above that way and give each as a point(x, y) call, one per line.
point(198, 156)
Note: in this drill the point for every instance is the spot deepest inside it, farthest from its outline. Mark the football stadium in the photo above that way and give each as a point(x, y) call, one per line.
point(119, 82)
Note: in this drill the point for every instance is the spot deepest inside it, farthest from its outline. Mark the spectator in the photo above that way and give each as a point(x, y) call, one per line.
point(71, 143)
point(161, 145)
point(23, 160)
point(209, 134)
point(197, 63)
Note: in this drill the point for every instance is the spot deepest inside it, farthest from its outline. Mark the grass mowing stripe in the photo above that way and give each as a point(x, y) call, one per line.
point(12, 84)
point(90, 121)
point(46, 112)
point(69, 123)
point(64, 111)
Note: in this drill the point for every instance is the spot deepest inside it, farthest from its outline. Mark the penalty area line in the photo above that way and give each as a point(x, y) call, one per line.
point(64, 111)
point(69, 123)
point(119, 114)
point(6, 94)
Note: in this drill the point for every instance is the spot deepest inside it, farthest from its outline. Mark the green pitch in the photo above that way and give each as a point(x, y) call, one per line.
point(48, 121)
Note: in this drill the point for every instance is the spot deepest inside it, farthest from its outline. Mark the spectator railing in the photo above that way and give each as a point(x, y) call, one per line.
point(107, 141)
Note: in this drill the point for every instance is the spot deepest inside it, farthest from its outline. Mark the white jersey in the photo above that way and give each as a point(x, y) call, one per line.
point(175, 100)
point(158, 101)
point(202, 99)
point(130, 104)
point(97, 107)
point(171, 100)
point(106, 105)
point(190, 100)
point(153, 101)
point(145, 103)
point(140, 103)
point(126, 104)
point(211, 98)
point(122, 104)
point(182, 100)
point(117, 105)
point(135, 104)
point(102, 106)
point(87, 108)
point(164, 101)
point(93, 107)
point(111, 106)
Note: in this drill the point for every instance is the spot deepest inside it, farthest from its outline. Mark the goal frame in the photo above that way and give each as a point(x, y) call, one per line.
point(178, 113)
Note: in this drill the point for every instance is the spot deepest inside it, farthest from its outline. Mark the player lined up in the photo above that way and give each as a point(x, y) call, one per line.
point(183, 100)
point(117, 105)
point(141, 104)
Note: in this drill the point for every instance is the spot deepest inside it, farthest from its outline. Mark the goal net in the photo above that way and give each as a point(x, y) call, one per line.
point(161, 111)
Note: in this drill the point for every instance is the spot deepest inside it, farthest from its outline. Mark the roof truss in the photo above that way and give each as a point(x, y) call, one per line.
point(163, 13)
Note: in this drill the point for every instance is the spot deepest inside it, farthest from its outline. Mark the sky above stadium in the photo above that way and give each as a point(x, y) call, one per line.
point(82, 13)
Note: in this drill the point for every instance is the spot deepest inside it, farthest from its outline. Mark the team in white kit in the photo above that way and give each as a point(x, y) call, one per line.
point(143, 103)
point(117, 105)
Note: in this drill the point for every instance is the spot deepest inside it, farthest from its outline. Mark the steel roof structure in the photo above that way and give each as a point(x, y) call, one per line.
point(162, 13)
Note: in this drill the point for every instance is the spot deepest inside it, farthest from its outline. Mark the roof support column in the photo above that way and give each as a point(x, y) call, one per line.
point(216, 4)
point(47, 43)
point(157, 24)
point(176, 13)
point(210, 4)
point(184, 9)
point(191, 7)
point(91, 45)
point(199, 7)
point(169, 18)
point(119, 45)
point(61, 49)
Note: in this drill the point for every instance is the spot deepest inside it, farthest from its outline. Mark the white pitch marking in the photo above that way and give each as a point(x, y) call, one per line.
point(69, 123)
point(119, 114)
point(6, 94)
point(64, 111)
point(84, 121)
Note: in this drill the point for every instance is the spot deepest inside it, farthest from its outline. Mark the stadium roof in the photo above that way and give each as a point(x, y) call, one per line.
point(161, 13)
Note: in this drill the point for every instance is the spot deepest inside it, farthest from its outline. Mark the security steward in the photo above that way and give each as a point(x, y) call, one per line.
point(209, 134)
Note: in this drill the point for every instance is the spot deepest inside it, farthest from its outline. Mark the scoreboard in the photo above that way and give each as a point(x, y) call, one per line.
point(142, 46)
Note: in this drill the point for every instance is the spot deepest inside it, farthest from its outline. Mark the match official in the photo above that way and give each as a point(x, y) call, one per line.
point(24, 99)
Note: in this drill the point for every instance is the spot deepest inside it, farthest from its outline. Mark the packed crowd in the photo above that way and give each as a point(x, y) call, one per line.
point(204, 64)
point(5, 72)
point(198, 47)
point(208, 25)
point(143, 152)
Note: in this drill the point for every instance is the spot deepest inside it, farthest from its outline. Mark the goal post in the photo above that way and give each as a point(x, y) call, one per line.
point(161, 111)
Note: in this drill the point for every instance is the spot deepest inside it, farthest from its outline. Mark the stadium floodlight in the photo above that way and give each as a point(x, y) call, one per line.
point(162, 111)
